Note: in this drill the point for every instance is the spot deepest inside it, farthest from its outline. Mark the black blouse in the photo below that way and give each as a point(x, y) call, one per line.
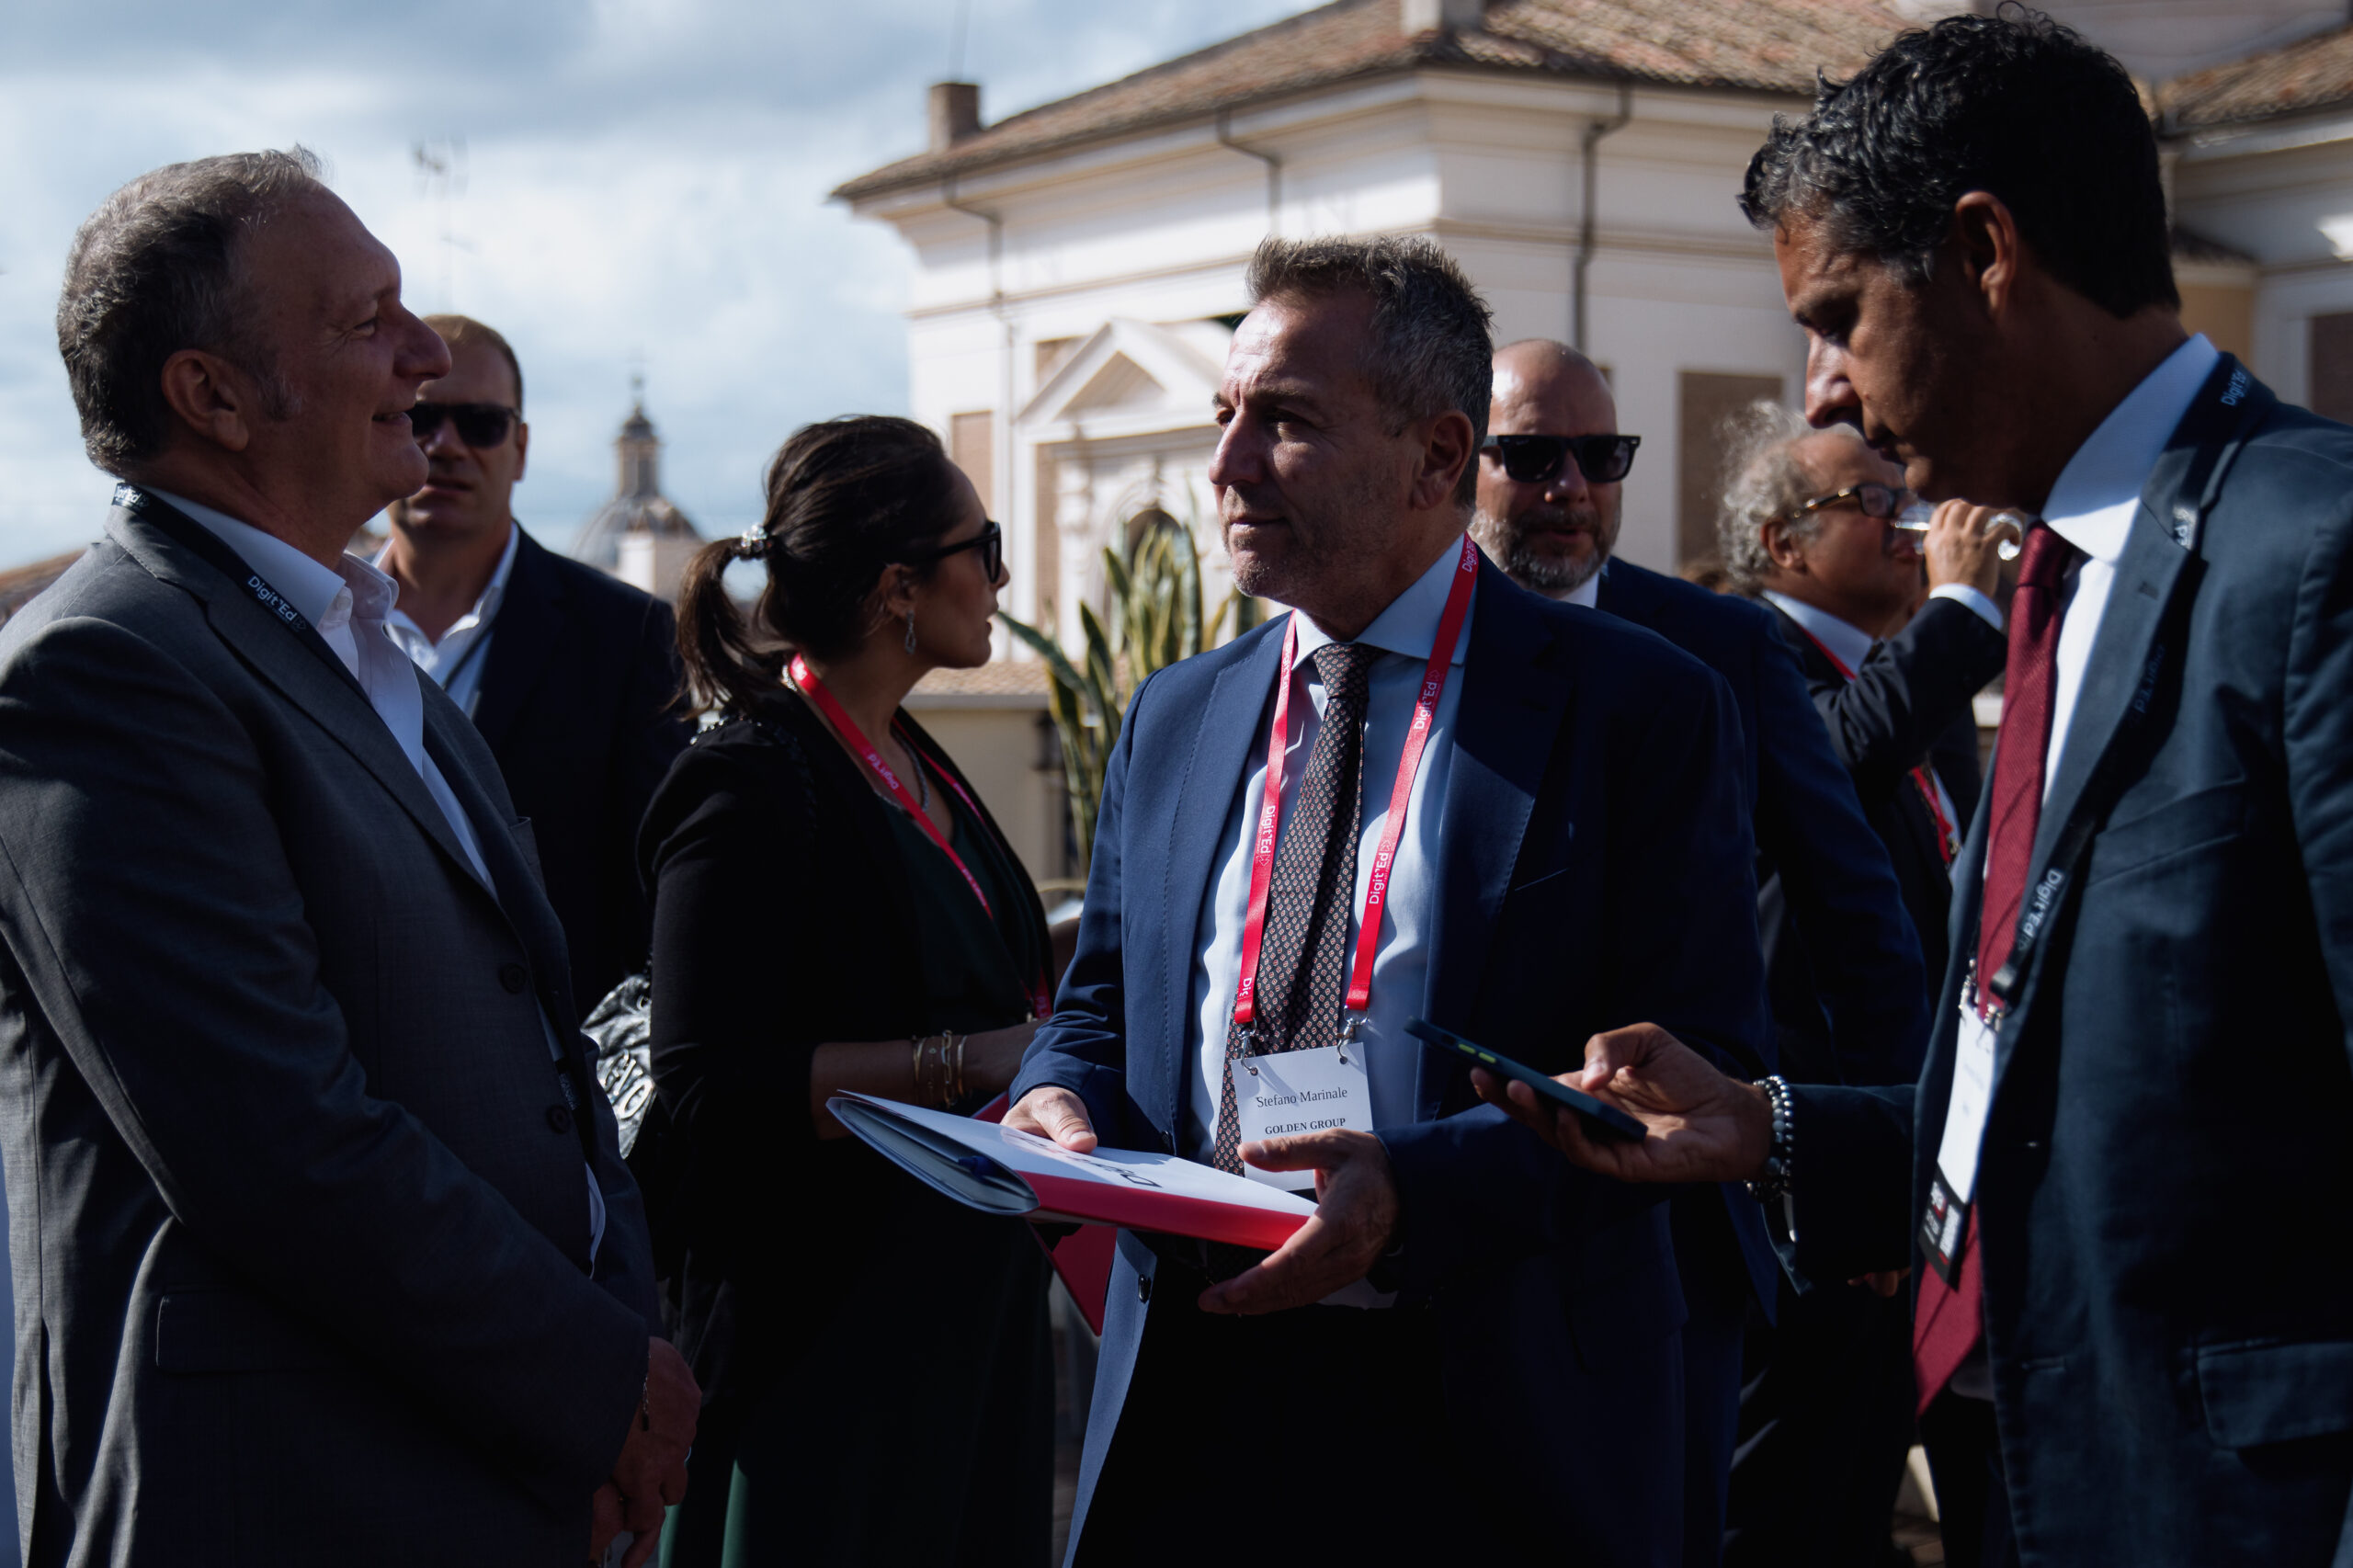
point(791, 909)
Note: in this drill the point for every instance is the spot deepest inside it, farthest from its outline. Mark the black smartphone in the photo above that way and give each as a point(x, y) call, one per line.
point(1605, 1122)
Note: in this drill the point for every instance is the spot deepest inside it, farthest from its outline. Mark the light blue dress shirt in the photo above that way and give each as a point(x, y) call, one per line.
point(1403, 632)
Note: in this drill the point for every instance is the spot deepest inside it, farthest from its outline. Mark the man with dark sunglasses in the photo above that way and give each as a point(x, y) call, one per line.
point(1820, 868)
point(569, 673)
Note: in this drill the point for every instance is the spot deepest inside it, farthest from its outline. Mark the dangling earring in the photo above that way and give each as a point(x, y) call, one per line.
point(911, 631)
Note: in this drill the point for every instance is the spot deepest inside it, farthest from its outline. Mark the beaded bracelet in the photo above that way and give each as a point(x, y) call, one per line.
point(1775, 1182)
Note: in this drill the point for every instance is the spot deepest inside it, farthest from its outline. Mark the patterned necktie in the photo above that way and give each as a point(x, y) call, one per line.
point(1948, 1319)
point(1303, 955)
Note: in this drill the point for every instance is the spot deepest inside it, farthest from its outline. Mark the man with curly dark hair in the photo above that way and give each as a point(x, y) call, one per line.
point(2130, 1341)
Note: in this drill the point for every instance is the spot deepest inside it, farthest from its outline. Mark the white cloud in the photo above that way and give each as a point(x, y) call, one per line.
point(644, 178)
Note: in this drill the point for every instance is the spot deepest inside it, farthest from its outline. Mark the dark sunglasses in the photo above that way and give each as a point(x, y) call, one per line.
point(1535, 459)
point(989, 542)
point(480, 425)
point(1880, 501)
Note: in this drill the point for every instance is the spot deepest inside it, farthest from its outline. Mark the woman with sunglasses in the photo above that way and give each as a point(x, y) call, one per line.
point(834, 911)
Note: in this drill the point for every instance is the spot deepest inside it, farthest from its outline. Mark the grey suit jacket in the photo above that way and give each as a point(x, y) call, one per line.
point(299, 1221)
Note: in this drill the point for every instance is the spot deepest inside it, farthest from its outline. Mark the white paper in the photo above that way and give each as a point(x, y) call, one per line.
point(1299, 1091)
point(1972, 1092)
point(1024, 1154)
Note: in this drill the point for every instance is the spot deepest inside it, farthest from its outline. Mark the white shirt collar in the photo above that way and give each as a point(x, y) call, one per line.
point(1410, 623)
point(1848, 644)
point(1587, 593)
point(494, 593)
point(2092, 504)
point(327, 596)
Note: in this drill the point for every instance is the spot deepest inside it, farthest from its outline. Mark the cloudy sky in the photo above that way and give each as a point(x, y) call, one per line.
point(643, 185)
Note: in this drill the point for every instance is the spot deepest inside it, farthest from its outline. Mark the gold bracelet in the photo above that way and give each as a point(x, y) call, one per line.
point(960, 1041)
point(914, 1094)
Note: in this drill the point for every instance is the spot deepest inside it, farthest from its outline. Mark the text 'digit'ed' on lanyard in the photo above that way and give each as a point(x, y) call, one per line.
point(1401, 795)
point(1040, 1001)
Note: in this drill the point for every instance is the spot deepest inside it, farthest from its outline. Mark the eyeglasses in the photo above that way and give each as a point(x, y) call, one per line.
point(1880, 501)
point(1534, 459)
point(989, 542)
point(480, 425)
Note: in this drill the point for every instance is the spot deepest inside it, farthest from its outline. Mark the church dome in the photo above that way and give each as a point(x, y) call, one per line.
point(638, 507)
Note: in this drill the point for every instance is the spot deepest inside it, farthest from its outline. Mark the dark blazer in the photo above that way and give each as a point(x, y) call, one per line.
point(2170, 1340)
point(579, 704)
point(1858, 1006)
point(1598, 873)
point(301, 1225)
point(781, 920)
point(1909, 703)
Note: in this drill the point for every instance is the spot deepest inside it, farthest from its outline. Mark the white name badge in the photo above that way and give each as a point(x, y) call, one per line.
point(1300, 1091)
point(1972, 1091)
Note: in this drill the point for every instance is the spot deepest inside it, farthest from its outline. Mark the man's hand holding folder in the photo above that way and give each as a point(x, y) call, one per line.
point(1353, 1224)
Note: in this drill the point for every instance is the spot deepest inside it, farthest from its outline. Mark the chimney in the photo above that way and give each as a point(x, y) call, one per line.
point(955, 112)
point(1427, 15)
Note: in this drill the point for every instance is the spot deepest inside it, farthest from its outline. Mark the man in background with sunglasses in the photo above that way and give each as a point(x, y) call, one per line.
point(570, 675)
point(1548, 509)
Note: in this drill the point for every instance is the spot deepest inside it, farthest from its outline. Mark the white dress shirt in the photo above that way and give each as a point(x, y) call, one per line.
point(458, 660)
point(347, 603)
point(2092, 504)
point(1403, 632)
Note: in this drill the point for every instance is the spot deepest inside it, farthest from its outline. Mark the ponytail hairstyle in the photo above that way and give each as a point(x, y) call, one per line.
point(847, 499)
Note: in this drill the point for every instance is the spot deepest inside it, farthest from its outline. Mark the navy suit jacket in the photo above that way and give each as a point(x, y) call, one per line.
point(1909, 703)
point(1862, 1006)
point(1597, 873)
point(579, 704)
point(1857, 994)
point(2159, 1199)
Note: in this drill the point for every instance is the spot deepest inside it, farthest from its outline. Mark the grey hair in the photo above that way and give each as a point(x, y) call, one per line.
point(1762, 482)
point(156, 270)
point(1432, 347)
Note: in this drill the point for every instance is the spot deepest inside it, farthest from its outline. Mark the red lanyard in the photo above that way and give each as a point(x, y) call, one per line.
point(1262, 853)
point(1040, 1003)
point(1920, 776)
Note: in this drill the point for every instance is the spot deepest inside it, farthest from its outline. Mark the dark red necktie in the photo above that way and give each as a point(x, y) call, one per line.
point(1947, 1320)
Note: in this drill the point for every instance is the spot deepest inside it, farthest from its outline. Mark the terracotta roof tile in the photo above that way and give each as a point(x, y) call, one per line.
point(999, 678)
point(19, 584)
point(1759, 45)
point(2310, 74)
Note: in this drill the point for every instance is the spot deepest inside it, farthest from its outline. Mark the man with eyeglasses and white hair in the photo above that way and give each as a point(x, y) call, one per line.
point(570, 675)
point(1844, 976)
point(1810, 526)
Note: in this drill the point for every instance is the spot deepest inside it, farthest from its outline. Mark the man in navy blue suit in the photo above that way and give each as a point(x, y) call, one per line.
point(1571, 850)
point(1551, 484)
point(2117, 1173)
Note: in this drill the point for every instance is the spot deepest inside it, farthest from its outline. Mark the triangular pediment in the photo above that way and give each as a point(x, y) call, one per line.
point(1130, 375)
point(1121, 383)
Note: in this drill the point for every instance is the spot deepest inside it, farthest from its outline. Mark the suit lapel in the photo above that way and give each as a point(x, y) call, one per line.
point(523, 638)
point(2127, 640)
point(333, 701)
point(1515, 684)
point(512, 884)
point(1232, 724)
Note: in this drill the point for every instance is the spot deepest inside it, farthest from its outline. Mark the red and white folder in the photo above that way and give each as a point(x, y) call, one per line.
point(1000, 1171)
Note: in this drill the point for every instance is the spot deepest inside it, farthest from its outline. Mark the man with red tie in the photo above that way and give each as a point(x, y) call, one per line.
point(2122, 1150)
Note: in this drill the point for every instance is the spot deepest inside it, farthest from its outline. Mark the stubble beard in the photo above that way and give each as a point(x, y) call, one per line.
point(1514, 544)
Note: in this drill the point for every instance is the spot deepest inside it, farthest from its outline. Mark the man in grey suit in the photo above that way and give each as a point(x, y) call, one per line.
point(323, 1250)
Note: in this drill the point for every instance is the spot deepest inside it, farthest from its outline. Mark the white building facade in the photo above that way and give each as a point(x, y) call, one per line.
point(1079, 267)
